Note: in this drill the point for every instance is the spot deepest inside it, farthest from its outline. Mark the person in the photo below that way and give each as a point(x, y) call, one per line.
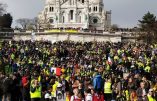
point(1, 80)
point(59, 90)
point(6, 88)
point(97, 96)
point(133, 96)
point(35, 90)
point(98, 83)
point(108, 90)
point(65, 86)
point(155, 90)
point(141, 92)
point(88, 95)
point(54, 90)
point(78, 61)
point(68, 96)
point(146, 83)
point(76, 96)
point(150, 96)
point(16, 86)
point(47, 95)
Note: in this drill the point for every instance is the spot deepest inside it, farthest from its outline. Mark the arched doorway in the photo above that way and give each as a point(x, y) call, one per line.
point(71, 14)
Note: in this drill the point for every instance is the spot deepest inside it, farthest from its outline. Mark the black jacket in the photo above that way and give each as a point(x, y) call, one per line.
point(7, 85)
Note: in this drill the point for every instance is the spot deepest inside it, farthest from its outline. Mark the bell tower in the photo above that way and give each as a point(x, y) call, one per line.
point(57, 12)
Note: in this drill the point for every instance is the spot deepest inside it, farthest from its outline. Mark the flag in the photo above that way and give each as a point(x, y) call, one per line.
point(109, 60)
point(57, 71)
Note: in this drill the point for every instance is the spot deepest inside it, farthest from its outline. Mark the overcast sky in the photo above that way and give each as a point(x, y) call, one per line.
point(125, 13)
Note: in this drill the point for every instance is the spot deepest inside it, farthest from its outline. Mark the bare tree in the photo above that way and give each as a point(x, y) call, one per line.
point(115, 27)
point(39, 23)
point(2, 8)
point(35, 22)
point(24, 22)
point(30, 27)
point(45, 17)
point(46, 21)
point(42, 21)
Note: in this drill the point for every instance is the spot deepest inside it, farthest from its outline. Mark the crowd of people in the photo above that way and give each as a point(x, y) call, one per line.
point(77, 71)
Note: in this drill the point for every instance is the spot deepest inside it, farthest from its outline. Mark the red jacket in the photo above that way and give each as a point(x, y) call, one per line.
point(97, 97)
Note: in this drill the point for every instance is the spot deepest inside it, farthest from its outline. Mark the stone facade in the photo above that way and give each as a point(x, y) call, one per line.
point(80, 37)
point(86, 14)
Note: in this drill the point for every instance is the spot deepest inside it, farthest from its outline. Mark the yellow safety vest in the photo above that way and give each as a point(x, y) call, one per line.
point(67, 99)
point(29, 61)
point(150, 98)
point(116, 58)
point(36, 94)
point(107, 87)
point(140, 65)
point(39, 78)
point(147, 69)
point(108, 67)
point(127, 95)
point(46, 72)
point(119, 52)
point(54, 88)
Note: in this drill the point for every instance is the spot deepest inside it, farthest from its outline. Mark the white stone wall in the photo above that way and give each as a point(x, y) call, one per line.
point(73, 37)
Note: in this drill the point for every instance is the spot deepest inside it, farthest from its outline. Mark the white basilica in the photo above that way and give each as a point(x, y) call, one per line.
point(86, 14)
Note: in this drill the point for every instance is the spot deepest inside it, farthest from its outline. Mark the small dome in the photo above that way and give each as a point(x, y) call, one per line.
point(50, 2)
point(96, 1)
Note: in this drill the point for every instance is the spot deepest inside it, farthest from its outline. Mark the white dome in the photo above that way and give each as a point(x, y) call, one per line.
point(96, 1)
point(50, 2)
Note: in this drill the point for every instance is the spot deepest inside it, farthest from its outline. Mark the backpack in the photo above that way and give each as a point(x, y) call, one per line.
point(98, 83)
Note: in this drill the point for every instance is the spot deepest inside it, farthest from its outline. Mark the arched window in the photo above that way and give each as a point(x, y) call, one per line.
point(82, 1)
point(94, 8)
point(50, 9)
point(71, 14)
